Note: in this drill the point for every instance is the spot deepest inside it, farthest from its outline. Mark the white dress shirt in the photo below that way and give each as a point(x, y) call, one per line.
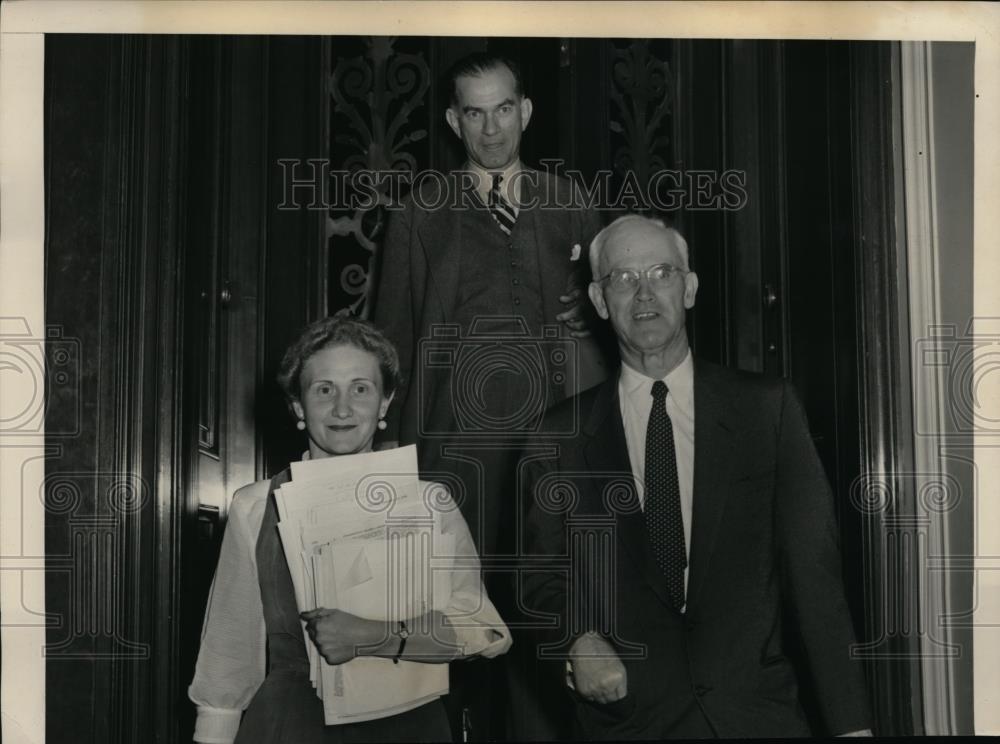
point(636, 400)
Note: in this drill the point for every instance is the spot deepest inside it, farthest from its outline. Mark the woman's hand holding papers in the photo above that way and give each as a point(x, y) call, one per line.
point(341, 636)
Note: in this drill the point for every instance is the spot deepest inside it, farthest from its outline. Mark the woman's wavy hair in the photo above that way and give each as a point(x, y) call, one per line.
point(333, 331)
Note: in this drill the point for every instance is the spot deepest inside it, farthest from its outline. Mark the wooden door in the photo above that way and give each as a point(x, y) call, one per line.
point(225, 241)
point(226, 237)
point(254, 268)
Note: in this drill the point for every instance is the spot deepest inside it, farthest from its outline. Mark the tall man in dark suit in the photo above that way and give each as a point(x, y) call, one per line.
point(487, 256)
point(685, 522)
point(482, 286)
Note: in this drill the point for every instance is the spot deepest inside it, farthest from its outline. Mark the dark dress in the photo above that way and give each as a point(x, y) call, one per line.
point(286, 709)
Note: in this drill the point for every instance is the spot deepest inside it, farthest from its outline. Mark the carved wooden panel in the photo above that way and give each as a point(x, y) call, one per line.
point(378, 125)
point(642, 93)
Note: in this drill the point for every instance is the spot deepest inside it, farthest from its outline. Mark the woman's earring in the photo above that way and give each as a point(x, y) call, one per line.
point(382, 425)
point(300, 424)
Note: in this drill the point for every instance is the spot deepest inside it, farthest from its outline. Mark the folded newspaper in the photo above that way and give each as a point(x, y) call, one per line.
point(360, 534)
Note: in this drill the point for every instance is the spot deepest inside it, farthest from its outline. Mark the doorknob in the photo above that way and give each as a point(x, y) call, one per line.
point(225, 295)
point(770, 296)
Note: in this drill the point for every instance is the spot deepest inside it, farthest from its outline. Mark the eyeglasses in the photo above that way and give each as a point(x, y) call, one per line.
point(627, 280)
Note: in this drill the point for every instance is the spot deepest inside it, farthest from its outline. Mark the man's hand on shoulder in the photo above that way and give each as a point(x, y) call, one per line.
point(598, 673)
point(573, 317)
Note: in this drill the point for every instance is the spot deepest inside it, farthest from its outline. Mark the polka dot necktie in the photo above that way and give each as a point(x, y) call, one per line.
point(664, 523)
point(500, 208)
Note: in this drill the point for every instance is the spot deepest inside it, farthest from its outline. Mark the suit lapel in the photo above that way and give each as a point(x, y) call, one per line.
point(715, 455)
point(553, 265)
point(606, 454)
point(441, 241)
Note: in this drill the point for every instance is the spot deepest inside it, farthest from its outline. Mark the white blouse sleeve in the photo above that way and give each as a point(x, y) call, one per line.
point(231, 659)
point(479, 630)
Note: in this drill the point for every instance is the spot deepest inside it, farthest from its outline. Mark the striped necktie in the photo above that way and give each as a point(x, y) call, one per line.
point(662, 507)
point(500, 208)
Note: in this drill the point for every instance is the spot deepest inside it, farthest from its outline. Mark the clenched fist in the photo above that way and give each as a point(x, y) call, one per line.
point(598, 673)
point(341, 636)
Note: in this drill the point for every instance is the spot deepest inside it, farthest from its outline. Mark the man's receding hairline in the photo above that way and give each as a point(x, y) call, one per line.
point(599, 242)
point(479, 72)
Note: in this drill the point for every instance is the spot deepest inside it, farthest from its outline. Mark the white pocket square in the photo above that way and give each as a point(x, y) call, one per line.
point(575, 255)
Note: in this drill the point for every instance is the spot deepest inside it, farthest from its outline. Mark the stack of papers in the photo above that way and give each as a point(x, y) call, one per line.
point(359, 536)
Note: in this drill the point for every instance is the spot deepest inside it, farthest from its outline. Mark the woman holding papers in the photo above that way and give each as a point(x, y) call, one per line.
point(292, 670)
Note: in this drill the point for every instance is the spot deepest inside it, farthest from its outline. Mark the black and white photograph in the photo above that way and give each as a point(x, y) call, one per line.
point(498, 371)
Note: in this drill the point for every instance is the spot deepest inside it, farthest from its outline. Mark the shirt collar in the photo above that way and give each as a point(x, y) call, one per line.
point(679, 381)
point(484, 181)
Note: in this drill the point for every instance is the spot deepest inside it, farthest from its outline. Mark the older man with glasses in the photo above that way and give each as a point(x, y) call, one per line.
point(685, 523)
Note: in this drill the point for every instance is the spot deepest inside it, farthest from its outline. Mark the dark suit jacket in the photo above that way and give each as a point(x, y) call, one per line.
point(419, 277)
point(764, 548)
